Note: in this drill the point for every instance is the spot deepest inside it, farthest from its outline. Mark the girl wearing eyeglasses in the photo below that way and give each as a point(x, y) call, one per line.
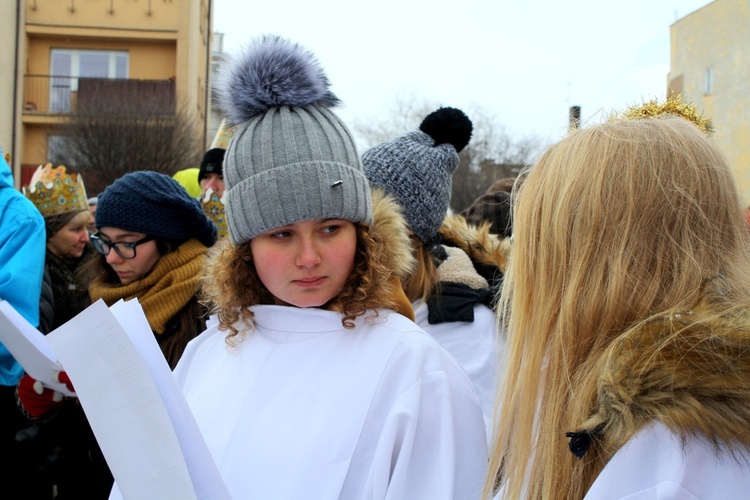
point(153, 238)
point(152, 244)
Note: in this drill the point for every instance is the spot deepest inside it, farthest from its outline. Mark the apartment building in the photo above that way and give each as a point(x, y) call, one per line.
point(710, 65)
point(65, 51)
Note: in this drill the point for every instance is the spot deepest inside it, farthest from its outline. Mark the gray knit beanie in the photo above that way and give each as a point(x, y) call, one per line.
point(417, 169)
point(154, 204)
point(291, 158)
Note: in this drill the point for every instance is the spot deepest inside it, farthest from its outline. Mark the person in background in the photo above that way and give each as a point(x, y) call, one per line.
point(452, 301)
point(211, 178)
point(626, 301)
point(22, 247)
point(61, 199)
point(53, 448)
point(313, 385)
point(188, 179)
point(153, 246)
point(493, 206)
point(92, 209)
point(211, 172)
point(152, 243)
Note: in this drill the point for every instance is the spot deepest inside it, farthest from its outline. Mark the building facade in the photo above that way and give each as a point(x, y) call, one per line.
point(710, 66)
point(65, 51)
point(8, 38)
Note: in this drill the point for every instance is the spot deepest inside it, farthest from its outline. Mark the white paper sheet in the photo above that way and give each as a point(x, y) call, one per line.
point(137, 411)
point(29, 347)
point(205, 476)
point(130, 421)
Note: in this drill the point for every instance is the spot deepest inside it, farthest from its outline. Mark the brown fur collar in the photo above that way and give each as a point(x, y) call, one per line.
point(689, 371)
point(390, 230)
point(478, 242)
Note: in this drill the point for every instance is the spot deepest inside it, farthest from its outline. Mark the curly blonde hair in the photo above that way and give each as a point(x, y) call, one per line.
point(231, 284)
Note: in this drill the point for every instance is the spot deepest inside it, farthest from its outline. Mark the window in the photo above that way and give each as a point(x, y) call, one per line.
point(709, 81)
point(66, 65)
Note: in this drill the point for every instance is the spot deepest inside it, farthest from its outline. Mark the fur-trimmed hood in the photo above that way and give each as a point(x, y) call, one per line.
point(478, 242)
point(391, 233)
point(689, 371)
point(487, 251)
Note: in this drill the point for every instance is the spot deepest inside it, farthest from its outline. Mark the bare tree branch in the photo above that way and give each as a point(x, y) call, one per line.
point(119, 126)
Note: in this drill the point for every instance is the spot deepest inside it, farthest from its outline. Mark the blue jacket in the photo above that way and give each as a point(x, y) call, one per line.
point(22, 247)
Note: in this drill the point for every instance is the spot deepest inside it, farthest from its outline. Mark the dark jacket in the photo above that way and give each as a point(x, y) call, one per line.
point(64, 291)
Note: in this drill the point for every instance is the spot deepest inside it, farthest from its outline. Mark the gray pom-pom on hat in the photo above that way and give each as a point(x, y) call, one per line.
point(154, 204)
point(417, 169)
point(291, 158)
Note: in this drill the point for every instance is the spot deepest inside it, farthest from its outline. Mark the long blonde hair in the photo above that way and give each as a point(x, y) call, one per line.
point(423, 282)
point(616, 224)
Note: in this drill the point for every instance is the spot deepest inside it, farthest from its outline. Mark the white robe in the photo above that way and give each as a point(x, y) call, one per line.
point(478, 348)
point(653, 464)
point(303, 408)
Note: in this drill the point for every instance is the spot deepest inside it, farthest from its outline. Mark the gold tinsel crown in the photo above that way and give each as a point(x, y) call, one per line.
point(223, 134)
point(55, 192)
point(675, 105)
point(213, 207)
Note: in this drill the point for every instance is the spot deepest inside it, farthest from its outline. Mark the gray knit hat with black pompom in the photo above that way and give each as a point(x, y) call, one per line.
point(417, 169)
point(291, 158)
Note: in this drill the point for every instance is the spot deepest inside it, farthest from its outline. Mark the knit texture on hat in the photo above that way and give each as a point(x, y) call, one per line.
point(212, 163)
point(156, 205)
point(291, 158)
point(417, 169)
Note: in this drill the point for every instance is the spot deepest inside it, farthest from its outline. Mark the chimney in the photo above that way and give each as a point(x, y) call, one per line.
point(574, 117)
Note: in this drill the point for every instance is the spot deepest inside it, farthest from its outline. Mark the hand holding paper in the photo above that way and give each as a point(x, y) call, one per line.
point(37, 400)
point(132, 402)
point(29, 346)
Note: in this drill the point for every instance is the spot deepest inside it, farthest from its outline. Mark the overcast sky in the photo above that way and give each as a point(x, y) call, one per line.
point(522, 62)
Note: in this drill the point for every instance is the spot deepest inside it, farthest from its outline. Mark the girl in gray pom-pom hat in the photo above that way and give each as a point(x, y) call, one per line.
point(315, 382)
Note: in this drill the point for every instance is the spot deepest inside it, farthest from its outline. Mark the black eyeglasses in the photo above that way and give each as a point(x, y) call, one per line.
point(124, 249)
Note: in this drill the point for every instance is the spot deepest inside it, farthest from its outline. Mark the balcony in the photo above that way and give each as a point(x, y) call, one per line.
point(50, 95)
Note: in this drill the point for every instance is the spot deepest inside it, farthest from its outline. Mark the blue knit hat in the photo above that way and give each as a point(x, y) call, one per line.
point(156, 205)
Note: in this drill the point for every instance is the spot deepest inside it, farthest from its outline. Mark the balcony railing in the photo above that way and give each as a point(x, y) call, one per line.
point(62, 95)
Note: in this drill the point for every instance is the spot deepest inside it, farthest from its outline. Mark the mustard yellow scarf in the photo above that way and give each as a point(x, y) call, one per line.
point(169, 286)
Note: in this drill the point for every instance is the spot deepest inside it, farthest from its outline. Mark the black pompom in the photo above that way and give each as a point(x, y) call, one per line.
point(448, 126)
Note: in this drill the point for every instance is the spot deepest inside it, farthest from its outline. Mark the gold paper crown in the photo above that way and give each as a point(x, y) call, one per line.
point(674, 105)
point(221, 139)
point(54, 192)
point(213, 207)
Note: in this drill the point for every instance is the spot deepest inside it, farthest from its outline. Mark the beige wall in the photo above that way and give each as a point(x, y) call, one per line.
point(8, 37)
point(164, 39)
point(142, 15)
point(717, 37)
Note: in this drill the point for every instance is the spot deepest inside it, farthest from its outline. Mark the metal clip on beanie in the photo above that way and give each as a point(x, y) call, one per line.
point(291, 158)
point(417, 169)
point(154, 204)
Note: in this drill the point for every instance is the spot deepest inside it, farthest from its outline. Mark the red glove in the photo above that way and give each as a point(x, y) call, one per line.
point(37, 400)
point(62, 378)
